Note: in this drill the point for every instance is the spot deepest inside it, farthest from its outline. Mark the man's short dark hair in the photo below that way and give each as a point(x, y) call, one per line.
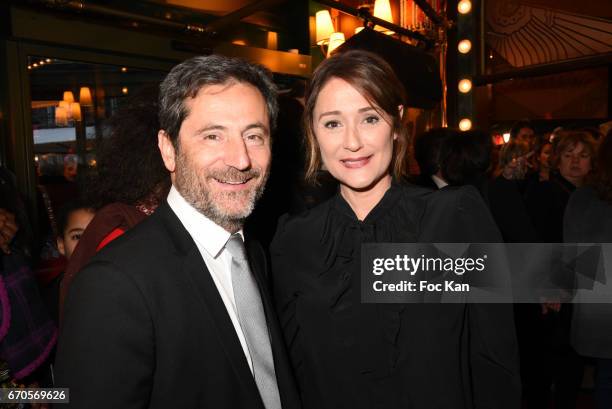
point(187, 78)
point(465, 158)
point(517, 126)
point(427, 148)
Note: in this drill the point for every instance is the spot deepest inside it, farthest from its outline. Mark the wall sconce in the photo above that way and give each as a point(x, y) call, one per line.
point(75, 111)
point(324, 26)
point(464, 46)
point(382, 10)
point(335, 41)
point(85, 97)
point(272, 40)
point(68, 96)
point(61, 116)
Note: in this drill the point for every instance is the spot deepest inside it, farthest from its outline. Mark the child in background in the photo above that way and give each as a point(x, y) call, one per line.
point(73, 219)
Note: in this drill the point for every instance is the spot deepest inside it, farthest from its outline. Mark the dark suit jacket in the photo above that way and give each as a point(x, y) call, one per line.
point(145, 327)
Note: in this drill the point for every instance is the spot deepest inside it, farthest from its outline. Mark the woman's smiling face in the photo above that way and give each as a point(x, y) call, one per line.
point(355, 138)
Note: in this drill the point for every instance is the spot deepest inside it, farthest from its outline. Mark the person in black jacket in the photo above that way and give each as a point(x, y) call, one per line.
point(588, 219)
point(175, 313)
point(349, 354)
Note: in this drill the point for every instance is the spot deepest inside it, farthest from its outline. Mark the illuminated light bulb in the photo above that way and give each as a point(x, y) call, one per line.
point(464, 46)
point(464, 6)
point(465, 124)
point(48, 60)
point(506, 137)
point(465, 85)
point(123, 69)
point(124, 90)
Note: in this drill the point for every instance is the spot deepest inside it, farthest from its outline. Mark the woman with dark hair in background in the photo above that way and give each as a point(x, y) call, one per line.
point(130, 180)
point(349, 354)
point(543, 154)
point(588, 219)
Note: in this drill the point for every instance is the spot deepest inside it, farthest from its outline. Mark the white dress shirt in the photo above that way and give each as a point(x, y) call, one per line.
point(440, 183)
point(211, 239)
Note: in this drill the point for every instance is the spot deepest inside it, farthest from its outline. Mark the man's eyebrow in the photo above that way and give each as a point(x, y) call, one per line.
point(257, 125)
point(211, 127)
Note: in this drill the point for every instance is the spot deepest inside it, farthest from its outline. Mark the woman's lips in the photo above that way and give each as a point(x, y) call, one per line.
point(356, 163)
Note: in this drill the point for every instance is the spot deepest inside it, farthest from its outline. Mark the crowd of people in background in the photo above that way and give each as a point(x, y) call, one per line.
point(540, 188)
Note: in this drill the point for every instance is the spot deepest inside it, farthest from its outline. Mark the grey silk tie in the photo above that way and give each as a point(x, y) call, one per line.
point(253, 323)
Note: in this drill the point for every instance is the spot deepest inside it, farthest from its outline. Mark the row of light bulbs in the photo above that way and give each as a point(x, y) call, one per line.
point(39, 63)
point(464, 46)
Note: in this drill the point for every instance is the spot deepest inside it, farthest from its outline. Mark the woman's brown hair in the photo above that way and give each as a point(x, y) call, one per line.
point(373, 78)
point(568, 140)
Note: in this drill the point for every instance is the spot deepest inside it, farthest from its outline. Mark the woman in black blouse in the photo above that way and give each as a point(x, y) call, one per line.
point(347, 354)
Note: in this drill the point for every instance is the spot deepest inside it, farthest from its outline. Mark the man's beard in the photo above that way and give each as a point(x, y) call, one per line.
point(217, 205)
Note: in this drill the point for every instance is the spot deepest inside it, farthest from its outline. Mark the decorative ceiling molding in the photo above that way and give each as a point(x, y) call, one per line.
point(525, 35)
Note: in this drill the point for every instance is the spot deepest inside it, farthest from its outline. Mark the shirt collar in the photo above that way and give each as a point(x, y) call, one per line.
point(204, 231)
point(440, 183)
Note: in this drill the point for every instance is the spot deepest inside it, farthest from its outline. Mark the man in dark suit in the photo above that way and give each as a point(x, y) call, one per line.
point(176, 313)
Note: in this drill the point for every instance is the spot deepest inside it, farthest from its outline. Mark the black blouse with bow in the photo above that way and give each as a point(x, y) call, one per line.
point(347, 354)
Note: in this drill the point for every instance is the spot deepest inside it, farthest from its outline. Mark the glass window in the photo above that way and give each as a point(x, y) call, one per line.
point(71, 102)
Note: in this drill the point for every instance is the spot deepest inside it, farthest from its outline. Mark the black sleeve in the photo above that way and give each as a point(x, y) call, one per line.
point(286, 289)
point(493, 349)
point(510, 213)
point(105, 354)
point(493, 357)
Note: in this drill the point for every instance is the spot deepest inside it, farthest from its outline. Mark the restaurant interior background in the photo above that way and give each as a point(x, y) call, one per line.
point(66, 66)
